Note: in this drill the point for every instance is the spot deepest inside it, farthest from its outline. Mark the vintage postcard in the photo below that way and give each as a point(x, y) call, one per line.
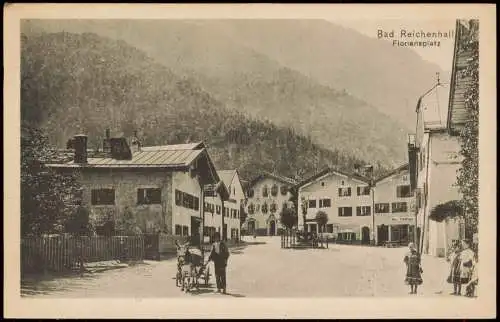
point(223, 161)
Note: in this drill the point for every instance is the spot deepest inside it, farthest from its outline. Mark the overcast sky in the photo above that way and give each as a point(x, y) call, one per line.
point(442, 55)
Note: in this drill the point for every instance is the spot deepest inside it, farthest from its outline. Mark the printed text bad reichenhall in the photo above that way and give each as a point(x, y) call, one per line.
point(415, 38)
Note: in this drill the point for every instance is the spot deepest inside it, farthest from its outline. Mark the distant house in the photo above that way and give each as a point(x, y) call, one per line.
point(162, 186)
point(231, 208)
point(394, 207)
point(345, 198)
point(267, 195)
point(434, 154)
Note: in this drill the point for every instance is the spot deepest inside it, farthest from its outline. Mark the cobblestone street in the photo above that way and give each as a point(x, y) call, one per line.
point(265, 270)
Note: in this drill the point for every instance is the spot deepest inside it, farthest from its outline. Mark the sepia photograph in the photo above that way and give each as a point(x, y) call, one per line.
point(214, 158)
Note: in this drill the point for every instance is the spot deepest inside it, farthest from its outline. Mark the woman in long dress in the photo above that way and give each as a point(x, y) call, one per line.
point(470, 288)
point(453, 277)
point(461, 268)
point(413, 269)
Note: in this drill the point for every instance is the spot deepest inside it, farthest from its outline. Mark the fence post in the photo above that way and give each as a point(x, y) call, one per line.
point(80, 254)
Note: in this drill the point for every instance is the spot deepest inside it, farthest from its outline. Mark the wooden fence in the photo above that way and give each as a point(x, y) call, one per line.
point(59, 253)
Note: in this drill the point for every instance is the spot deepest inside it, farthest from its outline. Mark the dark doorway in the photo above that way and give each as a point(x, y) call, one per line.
point(404, 234)
point(272, 228)
point(195, 230)
point(251, 227)
point(365, 235)
point(383, 234)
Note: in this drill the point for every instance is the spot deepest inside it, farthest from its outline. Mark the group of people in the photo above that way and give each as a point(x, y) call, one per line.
point(463, 269)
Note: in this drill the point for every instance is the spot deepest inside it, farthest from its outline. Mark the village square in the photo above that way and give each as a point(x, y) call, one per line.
point(141, 213)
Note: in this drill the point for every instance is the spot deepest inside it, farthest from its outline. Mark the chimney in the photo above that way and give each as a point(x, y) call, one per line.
point(135, 144)
point(106, 144)
point(80, 146)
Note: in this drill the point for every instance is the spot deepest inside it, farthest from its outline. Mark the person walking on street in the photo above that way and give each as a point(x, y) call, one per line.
point(454, 269)
point(461, 267)
point(471, 286)
point(219, 255)
point(413, 268)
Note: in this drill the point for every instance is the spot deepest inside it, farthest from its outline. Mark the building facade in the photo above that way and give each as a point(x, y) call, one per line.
point(231, 207)
point(267, 195)
point(435, 159)
point(347, 201)
point(394, 207)
point(160, 187)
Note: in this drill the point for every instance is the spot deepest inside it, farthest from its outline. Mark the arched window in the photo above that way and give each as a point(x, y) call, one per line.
point(257, 207)
point(250, 193)
point(251, 209)
point(284, 190)
point(273, 207)
point(265, 191)
point(264, 208)
point(274, 190)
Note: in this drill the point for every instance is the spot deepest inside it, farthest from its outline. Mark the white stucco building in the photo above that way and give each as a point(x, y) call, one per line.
point(267, 195)
point(394, 207)
point(435, 158)
point(345, 198)
point(232, 207)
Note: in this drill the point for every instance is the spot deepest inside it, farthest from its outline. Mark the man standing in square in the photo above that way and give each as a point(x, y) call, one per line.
point(219, 255)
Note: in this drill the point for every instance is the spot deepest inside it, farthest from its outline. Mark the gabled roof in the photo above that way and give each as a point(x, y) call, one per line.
point(328, 171)
point(457, 112)
point(277, 177)
point(166, 156)
point(393, 172)
point(174, 147)
point(227, 176)
point(433, 105)
point(161, 159)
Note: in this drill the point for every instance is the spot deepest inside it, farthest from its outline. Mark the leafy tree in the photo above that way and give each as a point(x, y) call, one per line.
point(321, 219)
point(46, 195)
point(78, 222)
point(128, 223)
point(468, 174)
point(288, 217)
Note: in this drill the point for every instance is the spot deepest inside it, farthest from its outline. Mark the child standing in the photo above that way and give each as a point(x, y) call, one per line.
point(413, 269)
